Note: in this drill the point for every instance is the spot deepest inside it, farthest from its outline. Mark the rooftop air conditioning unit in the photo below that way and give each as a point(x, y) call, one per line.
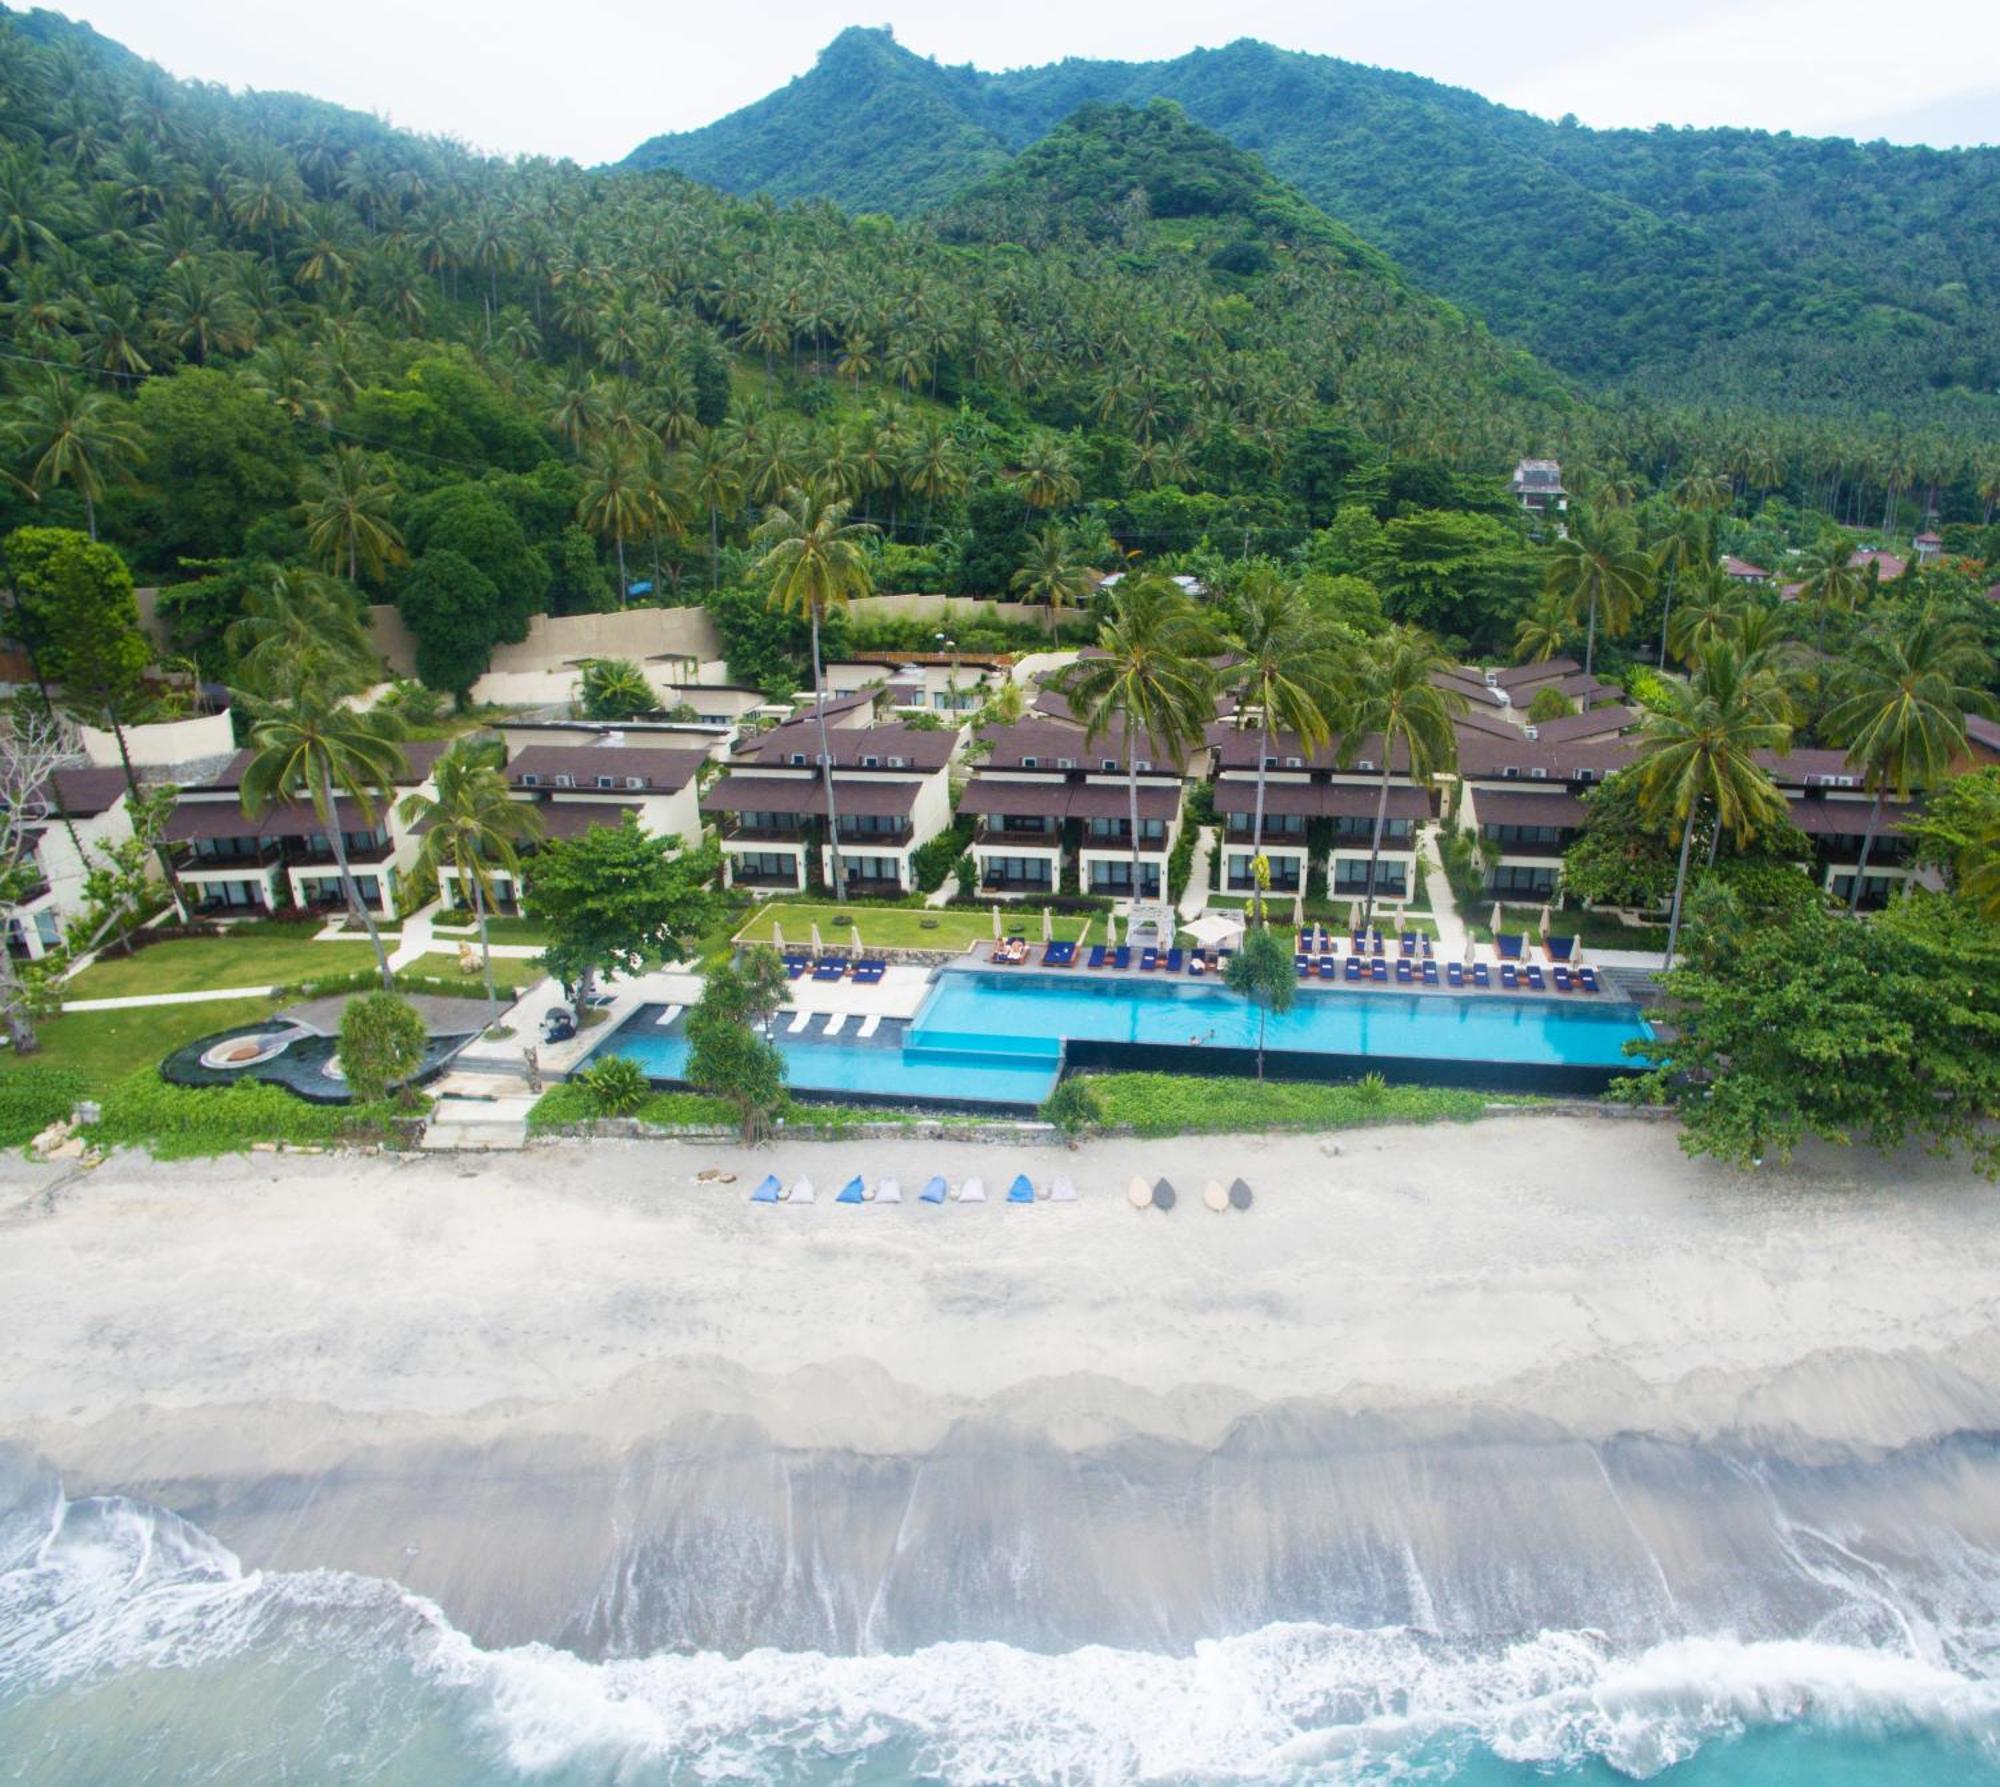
point(1493, 679)
point(1538, 774)
point(1534, 732)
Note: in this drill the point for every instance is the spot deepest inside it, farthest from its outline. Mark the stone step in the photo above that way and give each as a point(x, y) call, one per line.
point(483, 1138)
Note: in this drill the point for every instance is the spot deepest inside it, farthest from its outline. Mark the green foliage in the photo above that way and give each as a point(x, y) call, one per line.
point(1647, 687)
point(1073, 1106)
point(1959, 830)
point(616, 689)
point(448, 604)
point(1550, 703)
point(1260, 968)
point(35, 1095)
point(475, 522)
point(616, 1085)
point(192, 1122)
point(1623, 856)
point(616, 898)
point(75, 608)
point(767, 648)
point(728, 1057)
point(1170, 1104)
point(381, 1045)
point(931, 863)
point(217, 458)
point(1880, 1032)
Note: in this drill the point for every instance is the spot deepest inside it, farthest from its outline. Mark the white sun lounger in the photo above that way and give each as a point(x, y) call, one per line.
point(835, 1024)
point(801, 1192)
point(870, 1024)
point(888, 1192)
point(1062, 1192)
point(667, 1017)
point(973, 1191)
point(798, 1023)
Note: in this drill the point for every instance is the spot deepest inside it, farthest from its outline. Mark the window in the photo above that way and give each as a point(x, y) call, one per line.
point(1538, 774)
point(635, 781)
point(798, 760)
point(565, 781)
point(1350, 876)
point(1016, 871)
point(1367, 763)
point(1144, 766)
point(1270, 763)
point(1031, 763)
point(1531, 879)
point(898, 762)
point(1510, 772)
point(1552, 835)
point(871, 763)
point(607, 781)
point(530, 780)
point(1065, 763)
point(1111, 766)
point(1295, 763)
point(1586, 775)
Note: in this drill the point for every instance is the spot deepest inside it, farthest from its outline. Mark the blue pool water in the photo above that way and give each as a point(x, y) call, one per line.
point(944, 1068)
point(1560, 1031)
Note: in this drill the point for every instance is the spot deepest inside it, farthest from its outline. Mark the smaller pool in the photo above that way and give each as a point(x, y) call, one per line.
point(284, 1054)
point(942, 1069)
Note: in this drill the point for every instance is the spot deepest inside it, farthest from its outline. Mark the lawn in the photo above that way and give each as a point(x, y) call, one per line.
point(251, 956)
point(904, 927)
point(105, 1046)
point(498, 930)
point(508, 971)
point(1599, 930)
point(1164, 1104)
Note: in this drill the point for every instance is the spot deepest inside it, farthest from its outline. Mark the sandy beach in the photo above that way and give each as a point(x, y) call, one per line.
point(394, 1365)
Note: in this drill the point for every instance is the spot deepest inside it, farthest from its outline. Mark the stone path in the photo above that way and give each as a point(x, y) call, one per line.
point(133, 1001)
point(1194, 898)
point(1444, 906)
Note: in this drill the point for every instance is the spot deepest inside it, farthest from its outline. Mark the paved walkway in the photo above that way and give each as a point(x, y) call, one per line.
point(416, 938)
point(133, 1001)
point(1444, 906)
point(1194, 898)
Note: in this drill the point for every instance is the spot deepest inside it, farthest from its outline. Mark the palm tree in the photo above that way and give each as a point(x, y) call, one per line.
point(1150, 682)
point(1050, 575)
point(1596, 569)
point(310, 743)
point(1046, 479)
point(613, 502)
point(1713, 605)
point(1688, 541)
point(1701, 749)
point(475, 828)
point(302, 627)
point(1543, 632)
point(715, 482)
point(73, 435)
point(346, 509)
point(815, 559)
point(1900, 702)
point(1285, 679)
point(1400, 702)
point(1829, 579)
point(616, 689)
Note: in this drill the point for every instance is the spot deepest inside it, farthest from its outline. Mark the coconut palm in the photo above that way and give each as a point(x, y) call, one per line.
point(613, 503)
point(1543, 632)
point(1689, 541)
point(616, 689)
point(311, 744)
point(1597, 572)
point(302, 628)
point(70, 434)
point(1899, 707)
point(1285, 678)
point(1051, 575)
point(1400, 704)
point(1829, 579)
point(475, 828)
point(346, 509)
point(1149, 682)
point(1700, 749)
point(714, 480)
point(815, 559)
point(1713, 602)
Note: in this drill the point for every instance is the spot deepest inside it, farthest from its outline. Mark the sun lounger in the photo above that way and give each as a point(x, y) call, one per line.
point(871, 971)
point(801, 1192)
point(1378, 969)
point(768, 1191)
point(1096, 956)
point(1403, 970)
point(934, 1192)
point(1302, 966)
point(1149, 959)
point(1430, 972)
point(835, 1023)
point(796, 966)
point(798, 1023)
point(1022, 1191)
point(1378, 944)
point(1058, 955)
point(1482, 976)
point(1062, 1192)
point(1329, 967)
point(888, 1192)
point(1508, 946)
point(1357, 941)
point(1534, 973)
point(1559, 949)
point(870, 1024)
point(1407, 945)
point(1562, 978)
point(1354, 968)
point(853, 1192)
point(973, 1191)
point(1454, 974)
point(1175, 957)
point(1121, 957)
point(666, 1018)
point(1510, 977)
point(1586, 980)
point(829, 968)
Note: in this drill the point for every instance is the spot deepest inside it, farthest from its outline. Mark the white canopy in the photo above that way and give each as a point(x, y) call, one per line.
point(1215, 927)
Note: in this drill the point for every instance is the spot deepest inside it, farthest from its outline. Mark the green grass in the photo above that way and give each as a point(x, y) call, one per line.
point(1599, 930)
point(570, 1103)
point(900, 927)
point(1167, 1104)
point(190, 1122)
point(254, 956)
point(498, 930)
point(106, 1046)
point(508, 971)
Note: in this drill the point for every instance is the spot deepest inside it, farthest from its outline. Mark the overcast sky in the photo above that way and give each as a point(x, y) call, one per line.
point(592, 78)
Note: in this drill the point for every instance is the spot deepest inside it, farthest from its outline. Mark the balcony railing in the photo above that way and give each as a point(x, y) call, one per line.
point(189, 861)
point(895, 838)
point(788, 833)
point(1045, 837)
point(1242, 828)
point(1004, 883)
point(762, 878)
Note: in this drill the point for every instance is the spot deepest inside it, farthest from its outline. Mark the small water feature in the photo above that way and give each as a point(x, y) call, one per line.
point(278, 1052)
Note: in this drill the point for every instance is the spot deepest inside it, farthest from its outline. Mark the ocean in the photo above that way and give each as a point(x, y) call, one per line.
point(1853, 1637)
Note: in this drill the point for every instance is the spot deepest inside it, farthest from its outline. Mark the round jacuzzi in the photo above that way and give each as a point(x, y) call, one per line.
point(234, 1053)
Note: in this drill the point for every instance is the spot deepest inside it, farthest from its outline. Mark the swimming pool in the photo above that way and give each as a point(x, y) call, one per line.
point(942, 1068)
point(1567, 1031)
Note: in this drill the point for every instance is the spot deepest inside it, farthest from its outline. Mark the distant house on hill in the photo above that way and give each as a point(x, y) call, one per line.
point(1741, 570)
point(1928, 547)
point(1537, 485)
point(1888, 567)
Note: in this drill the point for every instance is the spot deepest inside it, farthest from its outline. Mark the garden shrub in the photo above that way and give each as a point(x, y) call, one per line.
point(1073, 1106)
point(187, 1122)
point(616, 1086)
point(932, 862)
point(33, 1096)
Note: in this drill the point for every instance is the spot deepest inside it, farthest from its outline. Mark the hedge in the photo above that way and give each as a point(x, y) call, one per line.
point(1169, 1104)
point(186, 1122)
point(33, 1096)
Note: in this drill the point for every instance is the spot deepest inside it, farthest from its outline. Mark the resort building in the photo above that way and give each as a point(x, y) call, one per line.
point(1317, 808)
point(1046, 801)
point(1537, 485)
point(1929, 546)
point(1830, 804)
point(1741, 570)
point(590, 782)
point(947, 684)
point(891, 796)
point(89, 803)
point(1522, 800)
point(229, 863)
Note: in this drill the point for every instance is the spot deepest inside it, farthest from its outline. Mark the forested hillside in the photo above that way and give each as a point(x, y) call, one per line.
point(1792, 273)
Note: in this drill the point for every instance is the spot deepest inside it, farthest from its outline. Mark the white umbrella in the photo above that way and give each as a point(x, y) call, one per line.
point(973, 1191)
point(1545, 921)
point(801, 1193)
point(1527, 944)
point(1396, 919)
point(777, 936)
point(888, 1192)
point(1494, 927)
point(1048, 927)
point(818, 946)
point(996, 921)
point(853, 935)
point(1111, 930)
point(1298, 911)
point(1470, 949)
point(1215, 928)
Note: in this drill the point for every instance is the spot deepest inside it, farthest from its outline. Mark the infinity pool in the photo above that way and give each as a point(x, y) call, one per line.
point(1566, 1030)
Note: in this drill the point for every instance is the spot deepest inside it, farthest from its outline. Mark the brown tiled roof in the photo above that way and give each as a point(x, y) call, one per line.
point(87, 792)
point(193, 819)
point(920, 750)
point(662, 771)
point(1984, 734)
point(1002, 797)
point(1046, 739)
point(1509, 806)
point(858, 798)
point(1819, 818)
point(1598, 722)
point(1112, 800)
point(1482, 756)
point(572, 818)
point(1330, 800)
point(1791, 769)
point(1528, 676)
point(1741, 567)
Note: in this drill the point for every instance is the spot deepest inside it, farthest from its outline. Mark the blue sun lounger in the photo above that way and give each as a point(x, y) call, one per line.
point(1482, 976)
point(1058, 955)
point(1407, 945)
point(1354, 968)
point(1534, 973)
point(1508, 945)
point(1560, 948)
point(1121, 957)
point(768, 1190)
point(1096, 956)
point(1562, 978)
point(796, 966)
point(1329, 967)
point(1302, 966)
point(1510, 977)
point(870, 972)
point(1454, 974)
point(1403, 970)
point(1430, 969)
point(1149, 959)
point(934, 1191)
point(1022, 1191)
point(851, 1193)
point(1586, 979)
point(1378, 969)
point(829, 968)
